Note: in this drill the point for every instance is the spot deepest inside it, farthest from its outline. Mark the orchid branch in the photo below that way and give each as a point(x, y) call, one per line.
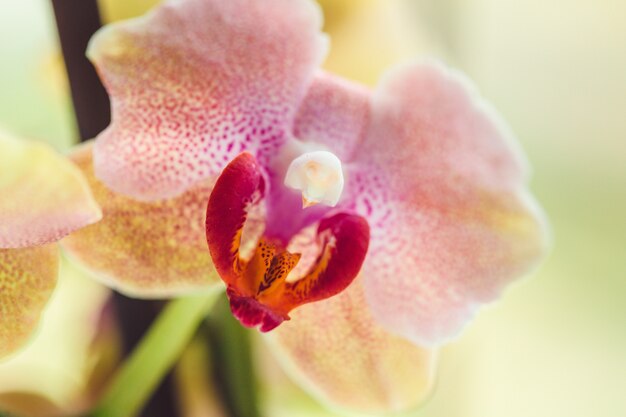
point(154, 356)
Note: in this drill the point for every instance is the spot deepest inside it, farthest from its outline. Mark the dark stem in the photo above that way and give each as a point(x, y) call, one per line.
point(77, 20)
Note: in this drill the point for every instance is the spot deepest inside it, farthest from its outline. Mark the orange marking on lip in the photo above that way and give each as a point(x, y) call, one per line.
point(257, 287)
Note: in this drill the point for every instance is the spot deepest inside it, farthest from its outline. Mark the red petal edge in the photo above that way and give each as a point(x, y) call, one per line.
point(258, 291)
point(240, 185)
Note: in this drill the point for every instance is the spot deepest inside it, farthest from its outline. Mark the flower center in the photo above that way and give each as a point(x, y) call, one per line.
point(260, 290)
point(318, 175)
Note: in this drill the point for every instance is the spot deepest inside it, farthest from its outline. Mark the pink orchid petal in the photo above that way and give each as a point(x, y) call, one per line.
point(443, 187)
point(335, 114)
point(27, 278)
point(336, 350)
point(196, 82)
point(43, 196)
point(149, 250)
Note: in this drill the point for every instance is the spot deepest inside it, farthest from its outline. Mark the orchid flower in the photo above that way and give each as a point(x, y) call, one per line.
point(44, 198)
point(363, 225)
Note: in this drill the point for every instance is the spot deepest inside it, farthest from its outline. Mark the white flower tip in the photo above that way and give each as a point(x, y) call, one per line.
point(319, 176)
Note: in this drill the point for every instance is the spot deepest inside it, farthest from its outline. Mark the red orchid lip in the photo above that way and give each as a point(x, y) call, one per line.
point(259, 292)
point(251, 312)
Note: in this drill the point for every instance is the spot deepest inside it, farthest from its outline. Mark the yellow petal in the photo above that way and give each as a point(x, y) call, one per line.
point(336, 351)
point(143, 249)
point(44, 196)
point(114, 10)
point(60, 372)
point(368, 36)
point(27, 279)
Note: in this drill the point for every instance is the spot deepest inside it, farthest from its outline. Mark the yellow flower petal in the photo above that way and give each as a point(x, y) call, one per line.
point(63, 368)
point(337, 351)
point(368, 36)
point(114, 10)
point(145, 249)
point(44, 196)
point(27, 279)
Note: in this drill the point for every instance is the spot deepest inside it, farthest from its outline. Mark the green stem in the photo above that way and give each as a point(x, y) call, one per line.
point(232, 361)
point(154, 356)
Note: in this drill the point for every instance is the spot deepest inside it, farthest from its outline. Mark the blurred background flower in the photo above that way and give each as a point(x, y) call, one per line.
point(556, 70)
point(45, 197)
point(64, 368)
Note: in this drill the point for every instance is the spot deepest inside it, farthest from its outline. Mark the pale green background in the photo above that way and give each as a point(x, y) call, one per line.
point(555, 345)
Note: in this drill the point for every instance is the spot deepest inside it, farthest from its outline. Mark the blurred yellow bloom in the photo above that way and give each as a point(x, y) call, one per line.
point(64, 368)
point(44, 198)
point(60, 371)
point(369, 36)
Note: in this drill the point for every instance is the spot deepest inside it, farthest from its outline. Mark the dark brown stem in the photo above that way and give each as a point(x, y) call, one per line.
point(76, 21)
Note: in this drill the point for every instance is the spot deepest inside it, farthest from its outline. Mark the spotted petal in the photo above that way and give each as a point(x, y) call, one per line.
point(340, 354)
point(44, 197)
point(196, 82)
point(443, 186)
point(145, 249)
point(27, 279)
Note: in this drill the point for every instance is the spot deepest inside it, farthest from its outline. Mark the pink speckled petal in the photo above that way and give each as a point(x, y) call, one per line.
point(43, 197)
point(444, 189)
point(196, 82)
point(338, 352)
point(335, 113)
point(145, 249)
point(27, 279)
